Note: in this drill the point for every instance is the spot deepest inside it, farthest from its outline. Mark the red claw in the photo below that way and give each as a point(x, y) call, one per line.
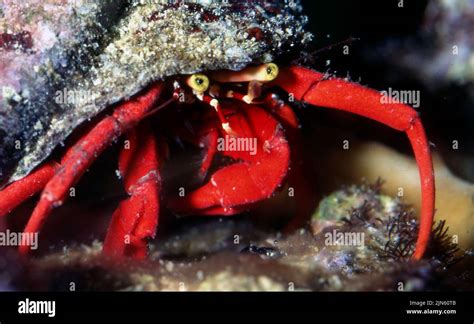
point(255, 176)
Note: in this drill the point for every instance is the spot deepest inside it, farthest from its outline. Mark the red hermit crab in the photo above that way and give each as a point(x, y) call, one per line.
point(210, 61)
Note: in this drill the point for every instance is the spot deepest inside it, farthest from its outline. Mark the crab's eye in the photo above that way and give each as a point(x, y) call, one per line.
point(198, 82)
point(271, 71)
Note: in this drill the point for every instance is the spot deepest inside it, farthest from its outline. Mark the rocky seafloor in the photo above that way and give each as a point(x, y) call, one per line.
point(357, 240)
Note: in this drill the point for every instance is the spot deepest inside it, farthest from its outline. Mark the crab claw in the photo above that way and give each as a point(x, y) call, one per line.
point(314, 88)
point(136, 219)
point(261, 158)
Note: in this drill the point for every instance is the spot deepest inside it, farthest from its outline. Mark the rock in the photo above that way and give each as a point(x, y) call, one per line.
point(265, 260)
point(369, 160)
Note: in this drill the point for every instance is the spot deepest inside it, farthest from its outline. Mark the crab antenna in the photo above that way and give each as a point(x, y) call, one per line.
point(214, 103)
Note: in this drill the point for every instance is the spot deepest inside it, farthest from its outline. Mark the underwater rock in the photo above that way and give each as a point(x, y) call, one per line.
point(112, 50)
point(454, 196)
point(45, 46)
point(205, 256)
point(443, 51)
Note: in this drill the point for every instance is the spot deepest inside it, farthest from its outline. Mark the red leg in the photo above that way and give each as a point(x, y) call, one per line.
point(253, 177)
point(79, 157)
point(21, 190)
point(300, 176)
point(311, 87)
point(214, 103)
point(136, 219)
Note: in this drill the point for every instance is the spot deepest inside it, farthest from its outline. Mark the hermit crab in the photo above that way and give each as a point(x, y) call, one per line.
point(202, 71)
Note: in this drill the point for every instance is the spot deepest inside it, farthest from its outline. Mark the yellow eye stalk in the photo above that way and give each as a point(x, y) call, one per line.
point(263, 73)
point(198, 82)
point(255, 76)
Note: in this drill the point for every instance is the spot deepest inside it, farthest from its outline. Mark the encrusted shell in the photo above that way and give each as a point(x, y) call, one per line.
point(103, 52)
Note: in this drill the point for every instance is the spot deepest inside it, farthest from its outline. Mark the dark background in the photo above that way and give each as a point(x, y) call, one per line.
point(370, 20)
point(447, 112)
